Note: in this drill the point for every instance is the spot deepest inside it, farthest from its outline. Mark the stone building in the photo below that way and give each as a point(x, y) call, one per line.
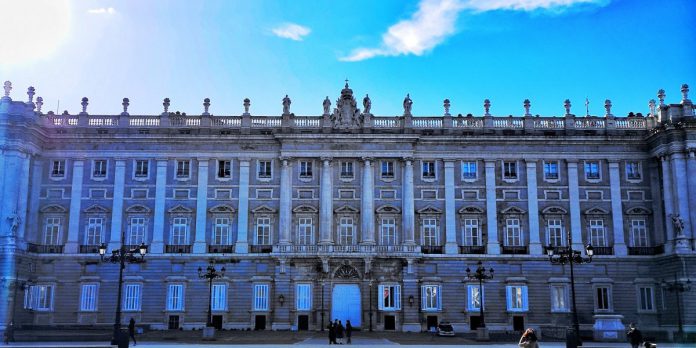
point(347, 215)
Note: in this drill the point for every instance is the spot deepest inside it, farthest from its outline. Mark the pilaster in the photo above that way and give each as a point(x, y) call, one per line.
point(451, 246)
point(408, 211)
point(617, 210)
point(682, 202)
point(117, 208)
point(242, 245)
point(491, 209)
point(326, 203)
point(668, 199)
point(574, 197)
point(285, 217)
point(72, 244)
point(691, 183)
point(199, 245)
point(367, 199)
point(23, 198)
point(157, 245)
point(34, 235)
point(535, 247)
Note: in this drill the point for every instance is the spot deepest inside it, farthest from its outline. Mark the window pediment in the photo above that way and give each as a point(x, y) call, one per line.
point(304, 208)
point(53, 208)
point(512, 210)
point(554, 210)
point(263, 209)
point(388, 209)
point(596, 211)
point(96, 209)
point(638, 211)
point(429, 210)
point(471, 210)
point(180, 209)
point(221, 209)
point(346, 209)
point(138, 208)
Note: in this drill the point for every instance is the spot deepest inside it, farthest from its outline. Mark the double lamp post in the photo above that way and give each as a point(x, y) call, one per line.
point(480, 274)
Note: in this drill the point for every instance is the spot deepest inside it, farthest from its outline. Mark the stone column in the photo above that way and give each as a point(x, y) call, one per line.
point(14, 186)
point(199, 244)
point(326, 203)
point(408, 209)
point(23, 199)
point(574, 196)
point(617, 210)
point(451, 246)
point(157, 245)
point(691, 182)
point(493, 245)
point(682, 201)
point(242, 245)
point(117, 208)
point(668, 199)
point(35, 235)
point(535, 247)
point(285, 214)
point(367, 204)
point(72, 244)
point(658, 233)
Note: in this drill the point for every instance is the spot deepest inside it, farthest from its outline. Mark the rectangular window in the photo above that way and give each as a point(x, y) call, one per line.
point(472, 233)
point(476, 298)
point(633, 171)
point(141, 168)
point(592, 170)
point(469, 170)
point(551, 170)
point(261, 297)
point(429, 232)
point(221, 231)
point(99, 169)
point(136, 234)
point(175, 297)
point(58, 169)
point(431, 298)
point(131, 297)
point(263, 231)
point(183, 169)
point(513, 232)
point(306, 169)
point(303, 294)
point(387, 169)
point(88, 298)
point(305, 231)
point(428, 170)
point(265, 170)
point(387, 231)
point(39, 297)
point(180, 231)
point(639, 233)
point(347, 170)
point(554, 232)
point(510, 170)
point(95, 226)
point(224, 169)
point(346, 231)
point(597, 233)
point(218, 302)
point(647, 299)
point(390, 297)
point(559, 298)
point(52, 231)
point(602, 299)
point(517, 298)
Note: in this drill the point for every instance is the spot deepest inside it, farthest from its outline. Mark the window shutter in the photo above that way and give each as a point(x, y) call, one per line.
point(509, 300)
point(424, 302)
point(525, 303)
point(439, 297)
point(397, 299)
point(380, 300)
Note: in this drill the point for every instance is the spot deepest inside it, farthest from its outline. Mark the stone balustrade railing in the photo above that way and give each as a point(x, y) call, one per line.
point(345, 249)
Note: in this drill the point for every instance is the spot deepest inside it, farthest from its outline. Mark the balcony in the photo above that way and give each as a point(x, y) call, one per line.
point(391, 250)
point(431, 249)
point(260, 249)
point(177, 249)
point(472, 249)
point(603, 250)
point(89, 249)
point(515, 250)
point(221, 249)
point(44, 249)
point(646, 251)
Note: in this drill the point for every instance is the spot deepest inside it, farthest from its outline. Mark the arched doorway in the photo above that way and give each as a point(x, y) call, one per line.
point(345, 297)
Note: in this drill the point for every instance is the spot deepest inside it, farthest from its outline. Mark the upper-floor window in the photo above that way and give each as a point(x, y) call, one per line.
point(472, 232)
point(265, 170)
point(221, 231)
point(387, 231)
point(303, 295)
point(305, 231)
point(261, 297)
point(597, 232)
point(263, 231)
point(136, 233)
point(633, 171)
point(180, 227)
point(88, 298)
point(469, 171)
point(517, 298)
point(131, 297)
point(429, 232)
point(99, 169)
point(141, 168)
point(95, 229)
point(510, 170)
point(347, 170)
point(475, 297)
point(559, 298)
point(554, 232)
point(306, 169)
point(431, 297)
point(428, 170)
point(224, 170)
point(390, 297)
point(39, 297)
point(218, 300)
point(646, 299)
point(603, 298)
point(513, 232)
point(387, 170)
point(58, 168)
point(175, 297)
point(592, 170)
point(52, 231)
point(346, 231)
point(183, 168)
point(551, 170)
point(639, 233)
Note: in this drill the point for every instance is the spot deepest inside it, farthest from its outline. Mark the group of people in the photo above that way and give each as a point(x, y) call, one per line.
point(337, 331)
point(635, 338)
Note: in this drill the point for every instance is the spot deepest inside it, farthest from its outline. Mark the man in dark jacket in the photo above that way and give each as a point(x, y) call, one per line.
point(332, 333)
point(635, 337)
point(349, 331)
point(131, 331)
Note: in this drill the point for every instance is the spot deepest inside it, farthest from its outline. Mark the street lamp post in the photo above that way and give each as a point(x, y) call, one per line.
point(678, 287)
point(210, 274)
point(121, 256)
point(566, 255)
point(370, 309)
point(480, 274)
point(323, 283)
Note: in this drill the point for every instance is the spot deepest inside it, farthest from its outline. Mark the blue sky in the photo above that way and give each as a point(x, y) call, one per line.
point(464, 50)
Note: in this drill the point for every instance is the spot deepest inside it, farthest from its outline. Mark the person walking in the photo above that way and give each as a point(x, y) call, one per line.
point(349, 331)
point(340, 331)
point(131, 331)
point(529, 339)
point(332, 333)
point(9, 333)
point(635, 337)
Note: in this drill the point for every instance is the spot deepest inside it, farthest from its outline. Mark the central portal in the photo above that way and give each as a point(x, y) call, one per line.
point(345, 304)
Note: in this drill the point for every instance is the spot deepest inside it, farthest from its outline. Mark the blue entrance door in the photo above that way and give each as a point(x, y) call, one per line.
point(345, 304)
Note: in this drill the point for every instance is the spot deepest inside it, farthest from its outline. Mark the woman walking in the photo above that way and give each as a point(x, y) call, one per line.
point(131, 331)
point(529, 339)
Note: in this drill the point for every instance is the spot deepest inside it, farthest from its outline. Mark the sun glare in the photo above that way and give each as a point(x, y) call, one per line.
point(33, 29)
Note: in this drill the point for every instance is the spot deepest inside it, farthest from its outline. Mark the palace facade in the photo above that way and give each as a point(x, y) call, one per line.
point(347, 215)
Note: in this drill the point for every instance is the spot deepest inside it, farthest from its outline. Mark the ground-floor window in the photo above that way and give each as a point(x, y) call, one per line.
point(390, 297)
point(431, 298)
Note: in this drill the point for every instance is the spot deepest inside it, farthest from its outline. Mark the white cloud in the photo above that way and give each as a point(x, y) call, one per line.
point(291, 31)
point(435, 21)
point(102, 11)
